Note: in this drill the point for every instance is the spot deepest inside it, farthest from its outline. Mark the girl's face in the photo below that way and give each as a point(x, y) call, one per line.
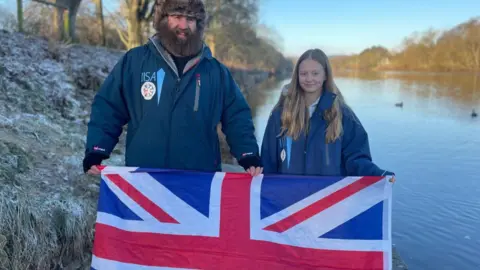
point(311, 75)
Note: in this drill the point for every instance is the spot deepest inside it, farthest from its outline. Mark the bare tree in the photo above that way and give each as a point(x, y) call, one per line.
point(64, 23)
point(136, 13)
point(99, 13)
point(455, 49)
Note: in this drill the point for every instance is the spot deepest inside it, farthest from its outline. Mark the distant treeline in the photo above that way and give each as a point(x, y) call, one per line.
point(233, 32)
point(456, 49)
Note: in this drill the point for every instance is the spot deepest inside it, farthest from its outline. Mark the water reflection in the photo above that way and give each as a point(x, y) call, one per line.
point(463, 88)
point(262, 99)
point(262, 94)
point(432, 94)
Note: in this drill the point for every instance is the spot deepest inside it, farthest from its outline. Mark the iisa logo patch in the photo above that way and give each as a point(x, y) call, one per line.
point(283, 155)
point(152, 82)
point(148, 90)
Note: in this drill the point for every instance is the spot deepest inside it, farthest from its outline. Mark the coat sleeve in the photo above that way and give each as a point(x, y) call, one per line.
point(356, 149)
point(269, 154)
point(237, 122)
point(108, 113)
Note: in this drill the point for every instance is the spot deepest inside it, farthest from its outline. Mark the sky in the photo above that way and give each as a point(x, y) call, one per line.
point(349, 26)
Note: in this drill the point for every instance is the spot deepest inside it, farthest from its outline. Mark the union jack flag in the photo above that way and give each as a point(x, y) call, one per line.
point(165, 219)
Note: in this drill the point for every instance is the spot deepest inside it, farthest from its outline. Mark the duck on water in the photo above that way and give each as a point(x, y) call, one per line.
point(473, 114)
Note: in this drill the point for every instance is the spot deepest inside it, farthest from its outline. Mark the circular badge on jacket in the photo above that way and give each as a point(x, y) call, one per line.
point(148, 90)
point(283, 155)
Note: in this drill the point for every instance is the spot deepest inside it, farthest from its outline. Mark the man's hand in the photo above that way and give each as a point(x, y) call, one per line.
point(252, 164)
point(90, 163)
point(254, 171)
point(94, 170)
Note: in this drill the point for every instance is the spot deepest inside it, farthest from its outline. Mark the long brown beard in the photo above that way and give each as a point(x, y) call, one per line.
point(176, 46)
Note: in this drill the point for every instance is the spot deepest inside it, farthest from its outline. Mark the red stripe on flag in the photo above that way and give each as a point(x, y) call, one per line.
point(139, 198)
point(235, 207)
point(200, 252)
point(323, 204)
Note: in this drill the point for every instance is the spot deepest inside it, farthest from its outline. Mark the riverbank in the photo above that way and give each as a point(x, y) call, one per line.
point(47, 204)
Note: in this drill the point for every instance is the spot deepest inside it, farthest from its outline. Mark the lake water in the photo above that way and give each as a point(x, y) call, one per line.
point(433, 146)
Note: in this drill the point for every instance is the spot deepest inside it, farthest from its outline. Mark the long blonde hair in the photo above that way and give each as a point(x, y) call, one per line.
point(295, 112)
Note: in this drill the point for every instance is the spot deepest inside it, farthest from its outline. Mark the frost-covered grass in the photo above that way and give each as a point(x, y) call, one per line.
point(47, 206)
point(44, 230)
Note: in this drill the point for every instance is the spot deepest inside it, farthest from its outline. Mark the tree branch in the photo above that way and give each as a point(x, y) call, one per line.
point(122, 36)
point(50, 4)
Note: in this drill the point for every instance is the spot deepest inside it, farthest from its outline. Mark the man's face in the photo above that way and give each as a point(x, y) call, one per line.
point(182, 26)
point(180, 34)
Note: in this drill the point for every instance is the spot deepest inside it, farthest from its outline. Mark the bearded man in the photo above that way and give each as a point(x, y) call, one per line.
point(172, 93)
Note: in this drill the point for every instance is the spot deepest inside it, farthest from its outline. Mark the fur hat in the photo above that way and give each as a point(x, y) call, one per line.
point(191, 8)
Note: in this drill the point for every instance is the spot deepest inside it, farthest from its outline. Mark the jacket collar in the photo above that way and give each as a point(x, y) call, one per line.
point(326, 101)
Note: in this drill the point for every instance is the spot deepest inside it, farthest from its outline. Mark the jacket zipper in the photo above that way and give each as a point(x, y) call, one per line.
point(327, 156)
point(173, 67)
point(305, 152)
point(197, 93)
point(167, 156)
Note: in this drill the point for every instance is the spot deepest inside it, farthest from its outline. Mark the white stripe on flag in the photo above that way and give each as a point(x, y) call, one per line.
point(129, 202)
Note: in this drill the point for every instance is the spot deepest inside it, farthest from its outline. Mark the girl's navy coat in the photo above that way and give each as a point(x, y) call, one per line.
point(310, 155)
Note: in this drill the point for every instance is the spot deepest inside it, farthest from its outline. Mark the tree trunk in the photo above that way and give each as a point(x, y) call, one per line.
point(134, 26)
point(58, 24)
point(72, 19)
point(20, 15)
point(137, 13)
point(210, 40)
point(99, 11)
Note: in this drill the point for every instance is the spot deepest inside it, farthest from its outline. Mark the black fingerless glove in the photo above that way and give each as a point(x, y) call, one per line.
point(250, 161)
point(92, 159)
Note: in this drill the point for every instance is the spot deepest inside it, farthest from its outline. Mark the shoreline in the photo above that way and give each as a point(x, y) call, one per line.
point(406, 71)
